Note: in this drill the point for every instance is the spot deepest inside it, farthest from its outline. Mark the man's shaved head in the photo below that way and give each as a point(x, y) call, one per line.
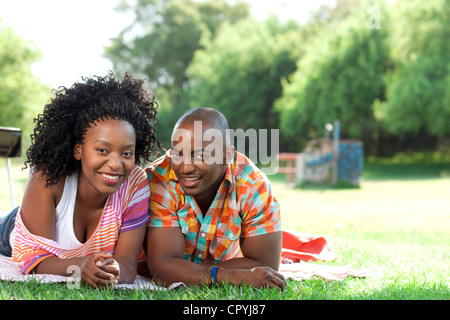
point(210, 118)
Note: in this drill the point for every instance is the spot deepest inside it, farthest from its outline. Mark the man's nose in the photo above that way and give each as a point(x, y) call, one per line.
point(187, 164)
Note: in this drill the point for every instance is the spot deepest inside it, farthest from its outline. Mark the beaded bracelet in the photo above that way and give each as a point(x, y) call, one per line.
point(211, 277)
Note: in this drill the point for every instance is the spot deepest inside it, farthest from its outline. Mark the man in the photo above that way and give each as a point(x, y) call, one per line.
point(213, 216)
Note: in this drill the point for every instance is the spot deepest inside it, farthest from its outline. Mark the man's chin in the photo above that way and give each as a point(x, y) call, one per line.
point(189, 191)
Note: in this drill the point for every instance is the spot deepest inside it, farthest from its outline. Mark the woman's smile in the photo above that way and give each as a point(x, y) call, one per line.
point(110, 179)
point(107, 156)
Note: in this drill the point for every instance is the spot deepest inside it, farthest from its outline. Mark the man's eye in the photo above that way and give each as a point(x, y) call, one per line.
point(175, 154)
point(128, 154)
point(103, 151)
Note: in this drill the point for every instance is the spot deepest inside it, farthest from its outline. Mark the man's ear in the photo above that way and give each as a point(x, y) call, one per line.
point(229, 154)
point(77, 151)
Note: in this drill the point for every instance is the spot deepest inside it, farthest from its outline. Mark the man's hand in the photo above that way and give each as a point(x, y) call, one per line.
point(257, 277)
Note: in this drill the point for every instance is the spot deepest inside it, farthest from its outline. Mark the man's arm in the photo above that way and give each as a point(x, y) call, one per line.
point(164, 247)
point(165, 259)
point(258, 251)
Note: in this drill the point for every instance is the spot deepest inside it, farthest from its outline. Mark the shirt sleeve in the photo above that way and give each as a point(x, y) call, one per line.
point(135, 208)
point(163, 203)
point(29, 249)
point(261, 211)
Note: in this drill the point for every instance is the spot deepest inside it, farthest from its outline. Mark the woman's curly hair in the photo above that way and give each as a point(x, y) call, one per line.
point(72, 111)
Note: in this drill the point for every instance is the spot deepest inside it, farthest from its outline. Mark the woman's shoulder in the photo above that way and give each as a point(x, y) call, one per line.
point(138, 174)
point(137, 182)
point(39, 203)
point(37, 184)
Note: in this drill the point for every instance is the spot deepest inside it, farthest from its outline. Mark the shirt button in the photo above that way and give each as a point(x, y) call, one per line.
point(203, 234)
point(238, 176)
point(200, 256)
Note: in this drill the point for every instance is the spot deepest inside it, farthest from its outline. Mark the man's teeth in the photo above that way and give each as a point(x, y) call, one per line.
point(191, 179)
point(107, 176)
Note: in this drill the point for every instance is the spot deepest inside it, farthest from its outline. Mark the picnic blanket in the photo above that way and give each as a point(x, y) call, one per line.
point(299, 248)
point(297, 252)
point(9, 270)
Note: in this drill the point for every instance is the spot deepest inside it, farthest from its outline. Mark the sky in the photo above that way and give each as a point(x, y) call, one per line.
point(72, 33)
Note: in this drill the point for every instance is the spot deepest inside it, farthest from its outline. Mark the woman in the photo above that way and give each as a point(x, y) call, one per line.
point(86, 203)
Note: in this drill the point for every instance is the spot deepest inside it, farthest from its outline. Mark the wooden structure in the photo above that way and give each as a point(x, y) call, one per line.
point(290, 169)
point(324, 160)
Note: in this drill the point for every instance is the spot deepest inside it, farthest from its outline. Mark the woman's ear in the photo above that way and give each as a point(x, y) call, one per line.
point(77, 151)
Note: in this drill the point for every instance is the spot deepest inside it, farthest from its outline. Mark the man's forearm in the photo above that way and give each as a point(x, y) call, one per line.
point(179, 270)
point(171, 270)
point(243, 263)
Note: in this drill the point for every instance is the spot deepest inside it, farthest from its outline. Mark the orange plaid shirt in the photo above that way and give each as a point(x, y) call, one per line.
point(244, 206)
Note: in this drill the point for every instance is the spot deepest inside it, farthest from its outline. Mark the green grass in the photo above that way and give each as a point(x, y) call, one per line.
point(396, 225)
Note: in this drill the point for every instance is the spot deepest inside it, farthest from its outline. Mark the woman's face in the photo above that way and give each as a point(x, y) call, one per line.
point(107, 156)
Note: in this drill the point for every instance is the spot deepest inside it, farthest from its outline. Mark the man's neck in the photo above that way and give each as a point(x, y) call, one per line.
point(205, 199)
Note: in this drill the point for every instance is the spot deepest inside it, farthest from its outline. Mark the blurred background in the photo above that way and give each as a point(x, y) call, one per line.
point(380, 68)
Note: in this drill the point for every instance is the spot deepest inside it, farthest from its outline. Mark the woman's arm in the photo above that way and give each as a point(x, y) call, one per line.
point(38, 209)
point(90, 268)
point(128, 248)
point(38, 213)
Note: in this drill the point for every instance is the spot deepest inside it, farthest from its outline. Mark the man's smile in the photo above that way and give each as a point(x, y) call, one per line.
point(190, 182)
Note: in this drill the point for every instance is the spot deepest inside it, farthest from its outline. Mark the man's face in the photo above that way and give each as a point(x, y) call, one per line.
point(199, 159)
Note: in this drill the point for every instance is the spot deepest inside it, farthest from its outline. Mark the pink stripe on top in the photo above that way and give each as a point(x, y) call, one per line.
point(125, 210)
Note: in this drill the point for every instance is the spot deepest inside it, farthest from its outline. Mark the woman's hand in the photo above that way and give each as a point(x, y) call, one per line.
point(100, 270)
point(109, 265)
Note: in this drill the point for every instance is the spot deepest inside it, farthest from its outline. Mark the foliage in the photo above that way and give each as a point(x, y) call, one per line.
point(417, 91)
point(386, 83)
point(239, 71)
point(21, 93)
point(164, 36)
point(339, 78)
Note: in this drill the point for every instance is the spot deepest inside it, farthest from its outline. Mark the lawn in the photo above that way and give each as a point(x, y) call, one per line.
point(396, 225)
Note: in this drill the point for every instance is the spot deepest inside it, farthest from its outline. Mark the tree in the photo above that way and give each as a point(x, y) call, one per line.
point(339, 78)
point(22, 95)
point(418, 95)
point(239, 72)
point(162, 40)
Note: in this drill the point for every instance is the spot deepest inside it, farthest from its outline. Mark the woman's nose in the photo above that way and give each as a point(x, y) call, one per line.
point(114, 161)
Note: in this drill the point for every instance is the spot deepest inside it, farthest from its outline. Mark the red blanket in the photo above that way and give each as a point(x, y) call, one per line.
point(299, 246)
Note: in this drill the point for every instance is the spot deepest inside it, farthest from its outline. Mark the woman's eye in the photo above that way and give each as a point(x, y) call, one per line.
point(103, 151)
point(128, 154)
